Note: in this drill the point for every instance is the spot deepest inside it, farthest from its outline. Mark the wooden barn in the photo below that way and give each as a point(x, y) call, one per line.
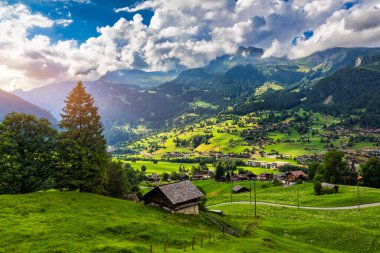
point(181, 197)
point(239, 189)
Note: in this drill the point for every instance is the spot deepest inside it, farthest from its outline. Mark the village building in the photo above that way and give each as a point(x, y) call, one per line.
point(181, 197)
point(265, 176)
point(266, 165)
point(184, 177)
point(280, 178)
point(251, 176)
point(293, 176)
point(239, 189)
point(155, 178)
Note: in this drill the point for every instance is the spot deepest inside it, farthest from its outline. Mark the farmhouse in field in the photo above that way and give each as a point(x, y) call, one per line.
point(181, 197)
point(239, 189)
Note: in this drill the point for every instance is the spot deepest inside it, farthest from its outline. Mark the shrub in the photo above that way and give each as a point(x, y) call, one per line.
point(318, 188)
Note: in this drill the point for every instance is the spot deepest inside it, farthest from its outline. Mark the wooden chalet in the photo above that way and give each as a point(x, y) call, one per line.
point(251, 176)
point(181, 197)
point(293, 176)
point(265, 176)
point(239, 189)
point(281, 177)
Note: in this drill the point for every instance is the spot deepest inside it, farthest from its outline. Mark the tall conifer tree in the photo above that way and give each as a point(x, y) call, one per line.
point(83, 147)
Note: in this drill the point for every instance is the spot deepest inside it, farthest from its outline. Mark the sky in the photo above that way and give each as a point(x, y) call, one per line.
point(48, 41)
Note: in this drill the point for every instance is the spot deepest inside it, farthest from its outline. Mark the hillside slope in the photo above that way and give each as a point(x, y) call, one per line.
point(80, 222)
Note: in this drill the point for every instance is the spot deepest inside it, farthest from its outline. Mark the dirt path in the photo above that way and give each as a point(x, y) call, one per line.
point(301, 207)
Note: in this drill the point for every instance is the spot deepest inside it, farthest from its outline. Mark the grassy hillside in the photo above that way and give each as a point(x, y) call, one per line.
point(311, 231)
point(79, 222)
point(290, 133)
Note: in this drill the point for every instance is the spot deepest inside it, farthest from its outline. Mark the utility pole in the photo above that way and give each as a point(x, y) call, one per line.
point(250, 193)
point(254, 190)
point(232, 186)
point(298, 198)
point(358, 195)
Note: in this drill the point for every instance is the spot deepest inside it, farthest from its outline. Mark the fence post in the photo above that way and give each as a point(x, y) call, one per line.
point(165, 243)
point(192, 246)
point(250, 193)
point(185, 244)
point(298, 198)
point(151, 248)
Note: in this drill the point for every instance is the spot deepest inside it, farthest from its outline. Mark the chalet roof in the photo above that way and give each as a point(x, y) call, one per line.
point(238, 188)
point(298, 173)
point(180, 192)
point(265, 174)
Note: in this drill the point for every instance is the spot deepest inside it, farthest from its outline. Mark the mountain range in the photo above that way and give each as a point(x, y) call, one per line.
point(12, 103)
point(336, 80)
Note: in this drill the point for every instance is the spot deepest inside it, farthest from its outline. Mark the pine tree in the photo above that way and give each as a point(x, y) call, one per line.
point(83, 147)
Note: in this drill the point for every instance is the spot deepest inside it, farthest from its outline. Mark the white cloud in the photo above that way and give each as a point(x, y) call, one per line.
point(181, 33)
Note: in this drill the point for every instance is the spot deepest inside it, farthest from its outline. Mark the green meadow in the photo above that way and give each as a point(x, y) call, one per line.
point(220, 192)
point(80, 222)
point(168, 167)
point(309, 230)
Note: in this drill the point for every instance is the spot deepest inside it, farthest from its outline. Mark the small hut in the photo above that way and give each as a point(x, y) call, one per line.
point(239, 189)
point(181, 197)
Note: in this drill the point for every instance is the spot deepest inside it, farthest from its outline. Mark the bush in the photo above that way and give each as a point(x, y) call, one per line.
point(318, 188)
point(328, 190)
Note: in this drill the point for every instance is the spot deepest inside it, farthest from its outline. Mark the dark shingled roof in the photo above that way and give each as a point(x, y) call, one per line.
point(181, 191)
point(238, 188)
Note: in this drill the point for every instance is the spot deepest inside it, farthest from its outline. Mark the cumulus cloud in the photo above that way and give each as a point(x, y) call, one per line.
point(180, 34)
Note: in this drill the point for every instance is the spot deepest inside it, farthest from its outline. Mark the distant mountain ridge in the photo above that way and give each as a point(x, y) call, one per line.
point(135, 97)
point(12, 103)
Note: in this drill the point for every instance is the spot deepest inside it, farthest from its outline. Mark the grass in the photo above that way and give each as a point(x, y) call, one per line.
point(161, 166)
point(168, 167)
point(219, 192)
point(312, 231)
point(79, 222)
point(268, 86)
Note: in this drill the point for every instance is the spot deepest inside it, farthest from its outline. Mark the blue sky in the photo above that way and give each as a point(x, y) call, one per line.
point(86, 16)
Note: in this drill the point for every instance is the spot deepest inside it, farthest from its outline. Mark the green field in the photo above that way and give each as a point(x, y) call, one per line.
point(309, 230)
point(168, 167)
point(79, 222)
point(161, 166)
point(219, 192)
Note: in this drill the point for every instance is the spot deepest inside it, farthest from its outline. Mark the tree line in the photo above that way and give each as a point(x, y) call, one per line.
point(335, 169)
point(35, 156)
